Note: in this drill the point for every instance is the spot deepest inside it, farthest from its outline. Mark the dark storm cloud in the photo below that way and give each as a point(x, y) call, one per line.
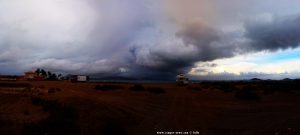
point(158, 64)
point(194, 42)
point(278, 33)
point(138, 38)
point(207, 43)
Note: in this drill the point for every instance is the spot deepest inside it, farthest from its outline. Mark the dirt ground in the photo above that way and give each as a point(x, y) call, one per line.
point(194, 109)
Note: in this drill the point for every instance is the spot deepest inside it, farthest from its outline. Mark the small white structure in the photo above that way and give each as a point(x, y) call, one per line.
point(77, 78)
point(182, 80)
point(82, 78)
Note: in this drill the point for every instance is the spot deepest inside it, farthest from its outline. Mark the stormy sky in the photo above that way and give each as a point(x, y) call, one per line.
point(206, 39)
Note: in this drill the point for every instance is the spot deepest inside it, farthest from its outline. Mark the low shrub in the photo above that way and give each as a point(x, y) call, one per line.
point(36, 101)
point(26, 112)
point(195, 88)
point(27, 89)
point(205, 86)
point(108, 87)
point(228, 88)
point(268, 90)
point(42, 86)
point(225, 86)
point(5, 84)
point(113, 128)
point(62, 119)
point(156, 90)
point(5, 126)
point(51, 90)
point(137, 87)
point(247, 95)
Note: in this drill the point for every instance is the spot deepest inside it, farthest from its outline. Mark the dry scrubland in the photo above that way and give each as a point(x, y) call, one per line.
point(211, 108)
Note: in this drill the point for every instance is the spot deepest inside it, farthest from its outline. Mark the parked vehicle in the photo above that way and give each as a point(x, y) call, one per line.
point(77, 78)
point(182, 80)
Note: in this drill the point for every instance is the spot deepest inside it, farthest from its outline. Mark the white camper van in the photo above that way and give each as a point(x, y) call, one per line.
point(77, 78)
point(182, 80)
point(82, 78)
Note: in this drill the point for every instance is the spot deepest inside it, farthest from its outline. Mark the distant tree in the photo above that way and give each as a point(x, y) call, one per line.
point(49, 74)
point(38, 71)
point(53, 77)
point(43, 73)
